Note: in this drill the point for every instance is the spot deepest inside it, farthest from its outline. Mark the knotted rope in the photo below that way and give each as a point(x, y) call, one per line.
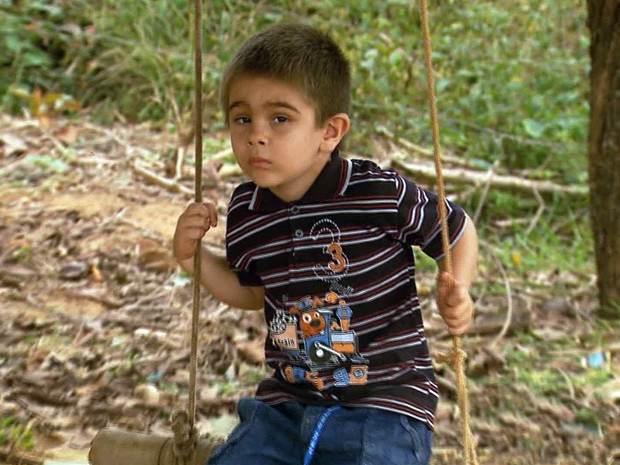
point(456, 358)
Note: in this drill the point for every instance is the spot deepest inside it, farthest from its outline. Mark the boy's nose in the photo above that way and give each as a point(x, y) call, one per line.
point(257, 136)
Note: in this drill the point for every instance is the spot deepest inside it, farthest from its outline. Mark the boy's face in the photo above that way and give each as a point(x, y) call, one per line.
point(275, 137)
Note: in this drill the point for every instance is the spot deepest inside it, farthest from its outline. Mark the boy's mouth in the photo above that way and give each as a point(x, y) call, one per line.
point(259, 162)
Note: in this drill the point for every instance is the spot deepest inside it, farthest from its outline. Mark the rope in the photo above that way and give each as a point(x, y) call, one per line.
point(184, 443)
point(198, 199)
point(183, 423)
point(456, 358)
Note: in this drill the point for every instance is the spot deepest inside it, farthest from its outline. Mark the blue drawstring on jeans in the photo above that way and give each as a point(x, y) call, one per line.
point(314, 440)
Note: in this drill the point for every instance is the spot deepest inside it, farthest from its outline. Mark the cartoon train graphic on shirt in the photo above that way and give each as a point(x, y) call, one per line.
point(317, 333)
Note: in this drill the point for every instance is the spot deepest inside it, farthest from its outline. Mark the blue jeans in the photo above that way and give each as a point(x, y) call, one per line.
point(280, 435)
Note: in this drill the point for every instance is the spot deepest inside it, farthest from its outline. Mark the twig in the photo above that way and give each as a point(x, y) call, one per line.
point(111, 135)
point(221, 155)
point(48, 135)
point(539, 211)
point(509, 223)
point(180, 158)
point(508, 319)
point(21, 458)
point(184, 139)
point(485, 192)
point(418, 149)
point(13, 165)
point(169, 184)
point(569, 383)
point(445, 383)
point(462, 176)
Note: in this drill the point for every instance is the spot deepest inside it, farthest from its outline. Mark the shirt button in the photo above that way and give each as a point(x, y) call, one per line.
point(295, 209)
point(299, 233)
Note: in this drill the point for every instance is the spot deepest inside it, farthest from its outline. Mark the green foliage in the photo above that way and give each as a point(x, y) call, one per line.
point(145, 58)
point(511, 65)
point(14, 433)
point(42, 46)
point(545, 381)
point(511, 79)
point(564, 228)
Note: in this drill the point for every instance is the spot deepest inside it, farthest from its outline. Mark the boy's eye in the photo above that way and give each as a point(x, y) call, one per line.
point(280, 119)
point(241, 120)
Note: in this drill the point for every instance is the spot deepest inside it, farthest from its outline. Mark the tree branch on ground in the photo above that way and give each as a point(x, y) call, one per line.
point(467, 176)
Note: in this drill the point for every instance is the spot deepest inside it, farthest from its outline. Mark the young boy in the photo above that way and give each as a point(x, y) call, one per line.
point(323, 244)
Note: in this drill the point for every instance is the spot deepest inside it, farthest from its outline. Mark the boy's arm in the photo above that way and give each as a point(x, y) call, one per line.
point(222, 283)
point(464, 256)
point(215, 275)
point(453, 299)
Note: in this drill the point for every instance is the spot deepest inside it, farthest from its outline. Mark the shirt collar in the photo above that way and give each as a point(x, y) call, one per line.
point(332, 181)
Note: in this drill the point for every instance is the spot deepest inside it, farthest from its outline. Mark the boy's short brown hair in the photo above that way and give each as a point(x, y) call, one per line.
point(299, 55)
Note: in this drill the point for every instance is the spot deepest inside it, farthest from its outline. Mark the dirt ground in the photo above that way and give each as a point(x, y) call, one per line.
point(95, 317)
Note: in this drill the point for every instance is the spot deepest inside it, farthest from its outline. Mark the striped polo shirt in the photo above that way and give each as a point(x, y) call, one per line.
point(341, 306)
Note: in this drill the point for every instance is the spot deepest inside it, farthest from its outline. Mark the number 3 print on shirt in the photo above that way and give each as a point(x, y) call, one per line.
point(337, 263)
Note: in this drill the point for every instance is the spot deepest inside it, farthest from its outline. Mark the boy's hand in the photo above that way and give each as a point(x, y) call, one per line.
point(454, 303)
point(192, 225)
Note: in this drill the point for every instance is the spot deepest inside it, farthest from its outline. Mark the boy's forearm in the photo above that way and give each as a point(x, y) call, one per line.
point(464, 256)
point(222, 283)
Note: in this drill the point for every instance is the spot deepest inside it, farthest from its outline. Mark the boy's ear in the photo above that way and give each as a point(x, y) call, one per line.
point(335, 129)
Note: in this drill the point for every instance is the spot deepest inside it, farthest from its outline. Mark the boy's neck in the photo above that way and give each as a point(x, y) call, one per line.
point(296, 193)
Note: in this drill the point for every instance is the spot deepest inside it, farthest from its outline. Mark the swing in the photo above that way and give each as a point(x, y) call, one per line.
point(117, 447)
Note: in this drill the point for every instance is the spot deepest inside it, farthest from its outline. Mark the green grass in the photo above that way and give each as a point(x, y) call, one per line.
point(554, 368)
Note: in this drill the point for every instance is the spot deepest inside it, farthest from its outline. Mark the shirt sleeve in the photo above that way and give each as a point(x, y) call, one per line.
point(236, 249)
point(419, 222)
point(247, 278)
